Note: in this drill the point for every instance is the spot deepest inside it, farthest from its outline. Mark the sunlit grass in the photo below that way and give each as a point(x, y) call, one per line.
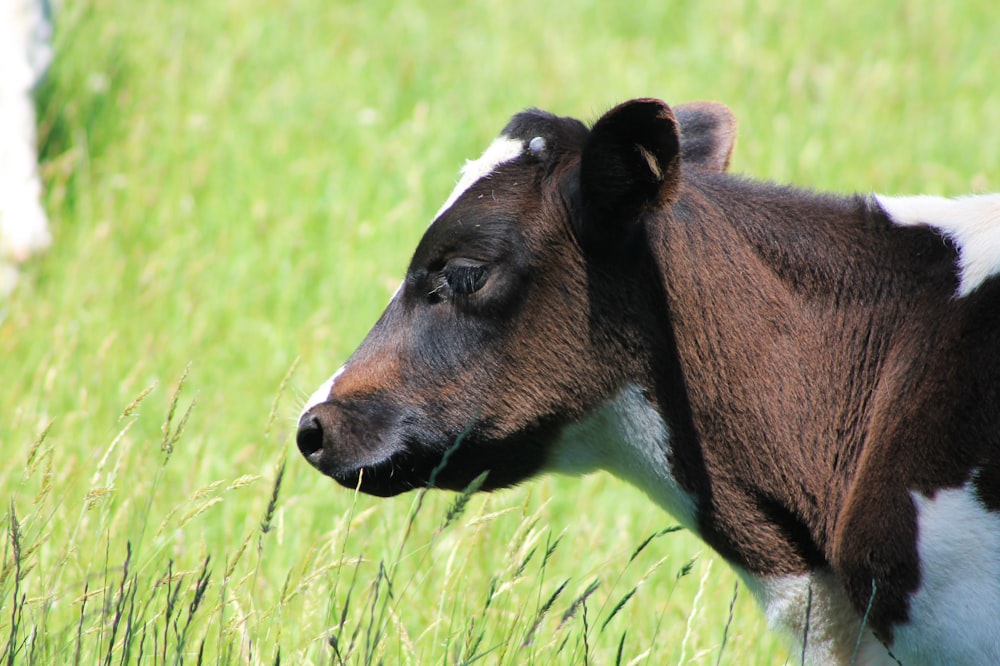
point(141, 575)
point(235, 189)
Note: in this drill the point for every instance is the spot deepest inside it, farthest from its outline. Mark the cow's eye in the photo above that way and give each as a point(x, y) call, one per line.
point(464, 278)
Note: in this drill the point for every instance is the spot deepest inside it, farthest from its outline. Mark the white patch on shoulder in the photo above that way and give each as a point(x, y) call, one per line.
point(955, 614)
point(503, 149)
point(972, 223)
point(627, 437)
point(322, 394)
point(833, 624)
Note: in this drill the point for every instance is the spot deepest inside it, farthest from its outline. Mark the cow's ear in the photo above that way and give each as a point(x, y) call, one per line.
point(628, 167)
point(708, 134)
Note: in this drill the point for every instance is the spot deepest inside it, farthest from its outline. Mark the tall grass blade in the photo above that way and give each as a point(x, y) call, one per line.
point(171, 434)
point(272, 504)
point(695, 607)
point(18, 599)
point(79, 625)
point(273, 415)
point(577, 603)
point(864, 625)
point(529, 637)
point(460, 503)
point(805, 628)
point(201, 585)
point(621, 604)
point(621, 649)
point(686, 568)
point(729, 623)
point(119, 603)
point(649, 539)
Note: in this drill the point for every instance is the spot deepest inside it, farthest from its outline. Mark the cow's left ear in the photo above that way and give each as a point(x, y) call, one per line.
point(629, 165)
point(708, 134)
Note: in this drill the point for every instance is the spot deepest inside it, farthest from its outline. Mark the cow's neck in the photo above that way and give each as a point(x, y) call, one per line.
point(762, 352)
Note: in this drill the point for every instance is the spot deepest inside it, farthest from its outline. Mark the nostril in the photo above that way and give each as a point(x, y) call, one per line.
point(310, 436)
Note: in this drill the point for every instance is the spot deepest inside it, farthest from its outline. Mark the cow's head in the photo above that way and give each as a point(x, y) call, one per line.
point(528, 306)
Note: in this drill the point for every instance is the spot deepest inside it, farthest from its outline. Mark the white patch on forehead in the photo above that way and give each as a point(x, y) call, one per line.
point(503, 149)
point(954, 616)
point(627, 437)
point(833, 624)
point(321, 394)
point(971, 223)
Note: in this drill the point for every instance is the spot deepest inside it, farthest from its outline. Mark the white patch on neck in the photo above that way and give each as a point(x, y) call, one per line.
point(627, 437)
point(503, 149)
point(322, 394)
point(971, 223)
point(833, 625)
point(955, 614)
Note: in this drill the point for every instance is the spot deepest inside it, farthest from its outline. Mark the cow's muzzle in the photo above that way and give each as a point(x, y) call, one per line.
point(361, 445)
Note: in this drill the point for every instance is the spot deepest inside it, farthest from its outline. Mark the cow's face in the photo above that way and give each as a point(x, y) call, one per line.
point(523, 310)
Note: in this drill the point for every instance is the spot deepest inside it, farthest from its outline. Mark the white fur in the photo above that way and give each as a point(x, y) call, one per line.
point(833, 627)
point(627, 437)
point(396, 293)
point(955, 614)
point(322, 394)
point(503, 149)
point(972, 224)
point(24, 56)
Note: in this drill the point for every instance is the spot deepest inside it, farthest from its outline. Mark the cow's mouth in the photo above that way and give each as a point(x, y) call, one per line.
point(397, 473)
point(387, 478)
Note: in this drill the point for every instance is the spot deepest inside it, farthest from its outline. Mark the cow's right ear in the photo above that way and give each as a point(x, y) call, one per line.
point(628, 167)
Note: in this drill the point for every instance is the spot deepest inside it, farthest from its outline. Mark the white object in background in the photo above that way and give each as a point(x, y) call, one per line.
point(25, 53)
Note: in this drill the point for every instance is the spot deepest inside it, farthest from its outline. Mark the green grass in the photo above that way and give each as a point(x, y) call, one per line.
point(235, 188)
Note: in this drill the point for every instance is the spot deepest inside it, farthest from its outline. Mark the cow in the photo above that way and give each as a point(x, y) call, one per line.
point(809, 382)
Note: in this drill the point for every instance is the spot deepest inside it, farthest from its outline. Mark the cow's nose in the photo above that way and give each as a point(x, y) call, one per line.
point(310, 436)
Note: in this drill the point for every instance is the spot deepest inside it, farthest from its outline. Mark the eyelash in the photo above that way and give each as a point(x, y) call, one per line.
point(464, 279)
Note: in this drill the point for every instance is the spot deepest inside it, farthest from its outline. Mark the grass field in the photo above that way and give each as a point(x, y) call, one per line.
point(235, 188)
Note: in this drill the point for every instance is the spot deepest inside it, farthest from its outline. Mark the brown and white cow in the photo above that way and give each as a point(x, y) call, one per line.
point(809, 382)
